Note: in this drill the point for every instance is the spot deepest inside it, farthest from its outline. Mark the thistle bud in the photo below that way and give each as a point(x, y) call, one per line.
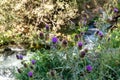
point(47, 27)
point(25, 65)
point(82, 54)
point(19, 70)
point(64, 43)
point(116, 10)
point(86, 50)
point(31, 67)
point(41, 35)
point(76, 37)
point(80, 44)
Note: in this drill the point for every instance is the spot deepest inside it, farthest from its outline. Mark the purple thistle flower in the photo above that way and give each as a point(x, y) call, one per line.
point(116, 10)
point(80, 44)
point(33, 62)
point(47, 27)
point(30, 74)
point(21, 56)
point(54, 39)
point(89, 68)
point(100, 33)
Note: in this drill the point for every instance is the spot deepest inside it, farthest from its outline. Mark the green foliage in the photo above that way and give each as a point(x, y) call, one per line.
point(109, 63)
point(60, 62)
point(24, 20)
point(115, 39)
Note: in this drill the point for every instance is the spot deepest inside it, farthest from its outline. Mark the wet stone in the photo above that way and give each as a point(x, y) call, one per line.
point(9, 63)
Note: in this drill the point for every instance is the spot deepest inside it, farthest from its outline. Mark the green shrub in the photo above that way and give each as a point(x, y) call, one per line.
point(62, 61)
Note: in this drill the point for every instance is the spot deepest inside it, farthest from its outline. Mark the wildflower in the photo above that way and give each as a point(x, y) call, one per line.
point(41, 35)
point(81, 33)
point(33, 62)
point(25, 65)
point(17, 56)
point(47, 36)
point(100, 33)
point(60, 39)
point(76, 37)
point(19, 70)
point(54, 39)
point(97, 32)
point(80, 44)
point(31, 67)
point(64, 43)
point(89, 68)
point(21, 56)
point(82, 54)
point(116, 10)
point(30, 74)
point(47, 27)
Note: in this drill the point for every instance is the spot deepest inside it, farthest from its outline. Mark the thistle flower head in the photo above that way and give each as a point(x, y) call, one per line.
point(100, 33)
point(47, 27)
point(17, 56)
point(54, 39)
point(25, 65)
point(64, 43)
point(89, 68)
point(41, 35)
point(30, 74)
point(97, 32)
point(19, 70)
point(82, 54)
point(21, 56)
point(33, 62)
point(76, 37)
point(116, 10)
point(80, 44)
